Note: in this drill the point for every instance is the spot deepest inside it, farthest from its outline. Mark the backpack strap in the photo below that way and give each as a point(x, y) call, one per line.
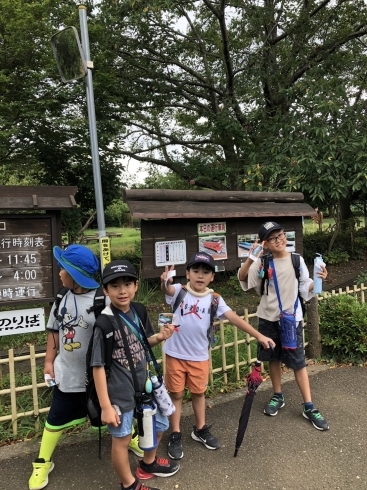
point(296, 261)
point(99, 302)
point(141, 311)
point(179, 299)
point(265, 260)
point(106, 325)
point(60, 294)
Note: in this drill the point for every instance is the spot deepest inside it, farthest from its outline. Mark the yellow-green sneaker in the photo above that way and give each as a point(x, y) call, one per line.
point(134, 445)
point(39, 477)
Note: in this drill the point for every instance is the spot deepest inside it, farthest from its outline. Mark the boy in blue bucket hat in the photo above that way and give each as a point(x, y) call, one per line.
point(70, 327)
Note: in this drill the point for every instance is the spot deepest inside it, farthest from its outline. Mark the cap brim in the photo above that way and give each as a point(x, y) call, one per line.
point(116, 275)
point(199, 262)
point(80, 279)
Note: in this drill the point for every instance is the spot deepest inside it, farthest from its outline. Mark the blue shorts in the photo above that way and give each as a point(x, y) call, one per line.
point(126, 423)
point(67, 409)
point(293, 359)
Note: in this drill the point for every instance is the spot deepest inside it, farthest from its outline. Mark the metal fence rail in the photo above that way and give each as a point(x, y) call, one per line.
point(239, 346)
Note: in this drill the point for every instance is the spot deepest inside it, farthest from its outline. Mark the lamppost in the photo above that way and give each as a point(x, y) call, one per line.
point(73, 61)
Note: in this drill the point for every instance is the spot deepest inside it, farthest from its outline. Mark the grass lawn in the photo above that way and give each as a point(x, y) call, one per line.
point(130, 236)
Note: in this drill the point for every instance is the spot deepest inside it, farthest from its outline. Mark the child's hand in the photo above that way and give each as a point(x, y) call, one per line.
point(323, 272)
point(166, 332)
point(256, 251)
point(266, 342)
point(165, 274)
point(49, 369)
point(110, 416)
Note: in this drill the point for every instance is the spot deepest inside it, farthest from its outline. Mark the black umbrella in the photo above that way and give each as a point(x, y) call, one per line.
point(254, 380)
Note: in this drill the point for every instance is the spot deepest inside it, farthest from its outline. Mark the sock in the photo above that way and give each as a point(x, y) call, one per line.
point(308, 406)
point(150, 465)
point(131, 487)
point(48, 444)
point(279, 395)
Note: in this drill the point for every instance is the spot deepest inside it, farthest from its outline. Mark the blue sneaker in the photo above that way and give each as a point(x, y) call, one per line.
point(316, 419)
point(275, 404)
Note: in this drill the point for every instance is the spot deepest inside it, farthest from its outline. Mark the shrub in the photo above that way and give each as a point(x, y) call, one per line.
point(343, 328)
point(336, 257)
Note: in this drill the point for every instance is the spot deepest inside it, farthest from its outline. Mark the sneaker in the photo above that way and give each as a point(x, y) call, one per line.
point(275, 404)
point(134, 445)
point(205, 437)
point(175, 446)
point(162, 467)
point(139, 486)
point(39, 477)
point(315, 417)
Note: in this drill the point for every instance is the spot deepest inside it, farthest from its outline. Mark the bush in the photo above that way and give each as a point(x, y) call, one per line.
point(133, 256)
point(343, 328)
point(336, 257)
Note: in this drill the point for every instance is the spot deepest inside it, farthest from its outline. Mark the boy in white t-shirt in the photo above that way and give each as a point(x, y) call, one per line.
point(187, 352)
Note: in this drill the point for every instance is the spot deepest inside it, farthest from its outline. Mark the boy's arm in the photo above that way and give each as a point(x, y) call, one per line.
point(109, 414)
point(243, 271)
point(52, 349)
point(164, 334)
point(235, 320)
point(167, 288)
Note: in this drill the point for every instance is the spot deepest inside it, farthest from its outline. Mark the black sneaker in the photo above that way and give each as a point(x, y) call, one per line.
point(275, 404)
point(315, 417)
point(162, 467)
point(139, 486)
point(175, 446)
point(205, 437)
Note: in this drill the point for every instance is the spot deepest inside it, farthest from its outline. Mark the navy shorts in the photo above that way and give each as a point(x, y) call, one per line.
point(293, 359)
point(67, 409)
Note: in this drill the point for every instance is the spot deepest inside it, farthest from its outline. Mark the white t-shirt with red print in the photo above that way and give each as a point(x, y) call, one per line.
point(190, 342)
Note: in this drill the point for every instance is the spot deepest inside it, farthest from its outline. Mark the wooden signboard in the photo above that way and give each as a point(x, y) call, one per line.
point(26, 261)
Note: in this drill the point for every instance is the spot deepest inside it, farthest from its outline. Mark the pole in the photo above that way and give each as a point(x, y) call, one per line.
point(92, 123)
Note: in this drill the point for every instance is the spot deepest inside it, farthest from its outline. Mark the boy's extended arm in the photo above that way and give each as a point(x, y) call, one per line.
point(245, 267)
point(246, 327)
point(52, 349)
point(167, 288)
point(109, 414)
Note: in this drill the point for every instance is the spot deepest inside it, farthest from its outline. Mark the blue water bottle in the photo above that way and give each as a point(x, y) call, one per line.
point(317, 281)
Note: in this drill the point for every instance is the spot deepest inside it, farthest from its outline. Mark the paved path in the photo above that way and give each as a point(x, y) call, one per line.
point(279, 453)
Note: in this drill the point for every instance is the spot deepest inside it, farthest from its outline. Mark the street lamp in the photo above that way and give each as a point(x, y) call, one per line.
point(73, 62)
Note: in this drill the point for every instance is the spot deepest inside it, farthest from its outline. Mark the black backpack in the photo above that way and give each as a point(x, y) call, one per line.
point(213, 311)
point(296, 261)
point(98, 305)
point(104, 323)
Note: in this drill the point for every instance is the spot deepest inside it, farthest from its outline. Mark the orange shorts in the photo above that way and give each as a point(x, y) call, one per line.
point(180, 373)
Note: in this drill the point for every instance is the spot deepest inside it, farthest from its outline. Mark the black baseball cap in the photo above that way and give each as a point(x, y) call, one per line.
point(267, 228)
point(118, 268)
point(201, 258)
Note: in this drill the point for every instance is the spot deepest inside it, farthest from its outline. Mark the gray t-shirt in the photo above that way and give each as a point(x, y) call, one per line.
point(120, 385)
point(74, 326)
point(287, 284)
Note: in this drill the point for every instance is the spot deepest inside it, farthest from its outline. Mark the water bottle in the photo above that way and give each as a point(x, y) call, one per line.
point(162, 397)
point(317, 281)
point(148, 441)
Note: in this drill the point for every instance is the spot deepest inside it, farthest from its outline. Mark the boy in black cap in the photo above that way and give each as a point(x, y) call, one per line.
point(117, 394)
point(187, 353)
point(69, 332)
point(273, 238)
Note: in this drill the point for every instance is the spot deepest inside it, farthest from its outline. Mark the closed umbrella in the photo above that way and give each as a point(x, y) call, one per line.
point(254, 380)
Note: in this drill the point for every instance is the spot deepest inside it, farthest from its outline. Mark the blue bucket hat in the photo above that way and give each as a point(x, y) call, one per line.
point(80, 263)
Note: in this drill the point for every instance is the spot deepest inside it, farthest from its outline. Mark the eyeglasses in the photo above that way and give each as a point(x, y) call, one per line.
point(277, 238)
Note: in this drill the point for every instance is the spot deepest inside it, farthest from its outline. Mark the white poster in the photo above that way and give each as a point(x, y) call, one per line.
point(170, 252)
point(14, 322)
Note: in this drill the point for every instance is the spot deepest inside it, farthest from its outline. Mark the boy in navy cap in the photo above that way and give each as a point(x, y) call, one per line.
point(274, 239)
point(187, 351)
point(69, 332)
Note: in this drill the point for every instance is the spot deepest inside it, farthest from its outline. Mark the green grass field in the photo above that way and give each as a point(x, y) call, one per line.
point(118, 244)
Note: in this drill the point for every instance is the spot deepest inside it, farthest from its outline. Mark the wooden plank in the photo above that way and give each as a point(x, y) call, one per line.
point(40, 191)
point(217, 210)
point(209, 196)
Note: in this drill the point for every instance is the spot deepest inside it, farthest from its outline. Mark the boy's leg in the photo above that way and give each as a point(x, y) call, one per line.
point(120, 460)
point(301, 377)
point(151, 465)
point(67, 410)
point(175, 380)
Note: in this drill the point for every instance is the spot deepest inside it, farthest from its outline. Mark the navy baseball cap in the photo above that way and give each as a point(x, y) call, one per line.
point(267, 228)
point(118, 268)
point(201, 258)
point(80, 262)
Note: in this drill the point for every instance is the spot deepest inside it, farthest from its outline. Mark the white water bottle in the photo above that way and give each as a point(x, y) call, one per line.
point(162, 397)
point(317, 281)
point(148, 441)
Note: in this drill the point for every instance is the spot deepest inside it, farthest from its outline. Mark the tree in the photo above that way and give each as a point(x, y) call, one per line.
point(44, 135)
point(220, 92)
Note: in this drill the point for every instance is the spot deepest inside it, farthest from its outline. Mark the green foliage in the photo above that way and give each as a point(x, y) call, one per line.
point(132, 255)
point(116, 213)
point(145, 292)
point(343, 328)
point(336, 257)
point(362, 279)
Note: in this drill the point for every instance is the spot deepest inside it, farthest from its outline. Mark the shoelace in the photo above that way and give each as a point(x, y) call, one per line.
point(162, 461)
point(275, 400)
point(315, 413)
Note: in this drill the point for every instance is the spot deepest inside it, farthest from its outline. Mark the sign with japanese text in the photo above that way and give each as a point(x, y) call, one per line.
point(22, 321)
point(25, 259)
point(170, 252)
point(211, 228)
point(104, 244)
